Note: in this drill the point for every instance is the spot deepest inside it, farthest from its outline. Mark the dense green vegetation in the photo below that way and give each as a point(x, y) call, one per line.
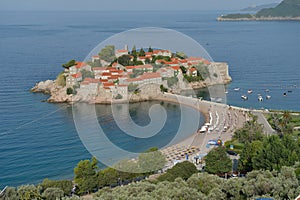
point(217, 161)
point(279, 185)
point(180, 55)
point(287, 8)
point(284, 122)
point(182, 170)
point(61, 79)
point(163, 89)
point(107, 53)
point(69, 64)
point(237, 16)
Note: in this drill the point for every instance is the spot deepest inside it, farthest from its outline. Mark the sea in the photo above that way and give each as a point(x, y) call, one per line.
point(39, 140)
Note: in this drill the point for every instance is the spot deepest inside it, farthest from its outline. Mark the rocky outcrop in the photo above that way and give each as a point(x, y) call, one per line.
point(58, 93)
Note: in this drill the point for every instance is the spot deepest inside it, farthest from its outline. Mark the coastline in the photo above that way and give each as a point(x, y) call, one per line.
point(260, 19)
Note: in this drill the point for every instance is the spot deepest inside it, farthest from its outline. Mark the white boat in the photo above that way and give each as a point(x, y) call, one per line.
point(237, 89)
point(260, 98)
point(250, 91)
point(268, 97)
point(219, 100)
point(244, 97)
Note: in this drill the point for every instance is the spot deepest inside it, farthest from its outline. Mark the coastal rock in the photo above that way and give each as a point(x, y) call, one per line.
point(43, 87)
point(58, 93)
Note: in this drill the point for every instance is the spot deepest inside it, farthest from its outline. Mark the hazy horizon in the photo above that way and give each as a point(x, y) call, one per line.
point(129, 5)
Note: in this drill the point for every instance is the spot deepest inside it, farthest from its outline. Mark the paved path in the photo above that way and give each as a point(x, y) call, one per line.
point(261, 119)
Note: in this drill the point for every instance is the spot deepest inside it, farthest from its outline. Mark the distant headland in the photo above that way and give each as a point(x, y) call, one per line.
point(286, 10)
point(120, 75)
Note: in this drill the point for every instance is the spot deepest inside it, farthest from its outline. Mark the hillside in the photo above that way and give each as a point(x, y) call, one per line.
point(259, 7)
point(286, 10)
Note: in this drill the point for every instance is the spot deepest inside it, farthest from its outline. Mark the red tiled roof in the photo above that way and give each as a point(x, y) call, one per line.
point(90, 80)
point(114, 77)
point(80, 64)
point(176, 67)
point(108, 84)
point(194, 59)
point(99, 68)
point(158, 51)
point(139, 66)
point(77, 75)
point(192, 69)
point(84, 83)
point(206, 62)
point(150, 75)
point(113, 70)
point(106, 74)
point(122, 51)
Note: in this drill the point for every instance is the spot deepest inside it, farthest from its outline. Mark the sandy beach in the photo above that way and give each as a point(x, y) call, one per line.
point(223, 120)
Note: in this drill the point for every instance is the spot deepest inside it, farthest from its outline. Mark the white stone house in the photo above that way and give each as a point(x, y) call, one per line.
point(73, 79)
point(121, 52)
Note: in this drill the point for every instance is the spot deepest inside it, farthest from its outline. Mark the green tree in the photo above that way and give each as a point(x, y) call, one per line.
point(251, 131)
point(182, 170)
point(217, 161)
point(70, 91)
point(142, 52)
point(119, 96)
point(86, 175)
point(65, 185)
point(277, 152)
point(183, 69)
point(250, 150)
point(28, 192)
point(10, 194)
point(124, 60)
point(69, 64)
point(133, 51)
point(108, 53)
point(150, 49)
point(53, 193)
point(181, 55)
point(61, 79)
point(108, 177)
point(163, 89)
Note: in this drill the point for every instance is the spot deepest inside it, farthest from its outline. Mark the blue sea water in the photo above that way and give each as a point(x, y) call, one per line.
point(39, 140)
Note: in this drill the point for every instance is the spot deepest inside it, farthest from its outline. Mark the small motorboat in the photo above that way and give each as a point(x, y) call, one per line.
point(237, 89)
point(284, 94)
point(219, 100)
point(250, 91)
point(260, 98)
point(268, 97)
point(244, 97)
point(290, 91)
point(267, 90)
